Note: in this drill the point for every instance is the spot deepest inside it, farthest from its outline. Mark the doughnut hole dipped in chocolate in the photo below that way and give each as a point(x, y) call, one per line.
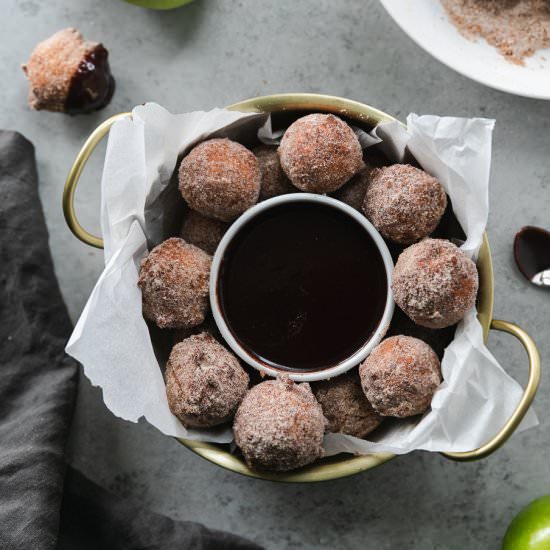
point(404, 203)
point(279, 426)
point(400, 376)
point(345, 406)
point(204, 382)
point(435, 283)
point(220, 179)
point(274, 180)
point(319, 153)
point(174, 280)
point(69, 74)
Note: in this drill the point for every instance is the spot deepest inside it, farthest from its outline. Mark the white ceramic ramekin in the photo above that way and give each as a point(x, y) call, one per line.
point(331, 370)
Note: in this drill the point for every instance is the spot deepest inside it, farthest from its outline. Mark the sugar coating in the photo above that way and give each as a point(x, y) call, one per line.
point(517, 28)
point(319, 153)
point(206, 233)
point(345, 406)
point(353, 192)
point(204, 382)
point(274, 180)
point(435, 283)
point(208, 325)
point(51, 68)
point(279, 426)
point(404, 203)
point(437, 339)
point(174, 281)
point(220, 179)
point(400, 376)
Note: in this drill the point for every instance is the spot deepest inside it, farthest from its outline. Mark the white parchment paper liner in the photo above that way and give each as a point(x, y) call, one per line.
point(112, 340)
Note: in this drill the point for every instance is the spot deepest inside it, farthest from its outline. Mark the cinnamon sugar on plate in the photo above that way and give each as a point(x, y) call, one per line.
point(517, 28)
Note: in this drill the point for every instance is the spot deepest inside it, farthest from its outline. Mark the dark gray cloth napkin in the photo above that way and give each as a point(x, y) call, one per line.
point(44, 505)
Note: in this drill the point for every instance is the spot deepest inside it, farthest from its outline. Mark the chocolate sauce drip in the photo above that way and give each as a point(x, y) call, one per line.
point(532, 251)
point(92, 85)
point(302, 286)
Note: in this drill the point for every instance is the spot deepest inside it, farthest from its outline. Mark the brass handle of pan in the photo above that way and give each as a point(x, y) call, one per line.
point(74, 175)
point(524, 403)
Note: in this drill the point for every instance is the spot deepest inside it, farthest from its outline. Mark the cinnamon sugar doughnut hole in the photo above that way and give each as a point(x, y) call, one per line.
point(220, 179)
point(353, 192)
point(319, 153)
point(206, 233)
point(204, 382)
point(279, 426)
point(435, 283)
point(174, 280)
point(400, 376)
point(274, 180)
point(404, 203)
point(345, 406)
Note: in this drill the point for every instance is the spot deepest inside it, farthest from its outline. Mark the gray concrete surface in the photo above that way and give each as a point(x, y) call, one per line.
point(212, 53)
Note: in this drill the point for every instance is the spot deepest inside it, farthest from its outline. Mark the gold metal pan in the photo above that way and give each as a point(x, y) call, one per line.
point(341, 465)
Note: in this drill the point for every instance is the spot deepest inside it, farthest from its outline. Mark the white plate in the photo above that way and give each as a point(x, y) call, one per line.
point(425, 21)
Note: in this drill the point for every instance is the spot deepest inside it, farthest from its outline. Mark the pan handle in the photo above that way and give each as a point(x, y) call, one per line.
point(524, 403)
point(74, 175)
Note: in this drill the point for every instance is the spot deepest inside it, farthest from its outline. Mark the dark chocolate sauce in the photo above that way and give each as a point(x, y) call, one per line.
point(93, 85)
point(532, 250)
point(302, 286)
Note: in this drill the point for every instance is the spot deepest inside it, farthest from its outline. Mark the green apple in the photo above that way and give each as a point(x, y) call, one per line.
point(159, 4)
point(530, 529)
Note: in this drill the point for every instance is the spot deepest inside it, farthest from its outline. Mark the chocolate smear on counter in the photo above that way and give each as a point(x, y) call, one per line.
point(532, 254)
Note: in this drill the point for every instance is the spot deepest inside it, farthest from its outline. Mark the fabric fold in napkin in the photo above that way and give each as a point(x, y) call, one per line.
point(37, 379)
point(37, 393)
